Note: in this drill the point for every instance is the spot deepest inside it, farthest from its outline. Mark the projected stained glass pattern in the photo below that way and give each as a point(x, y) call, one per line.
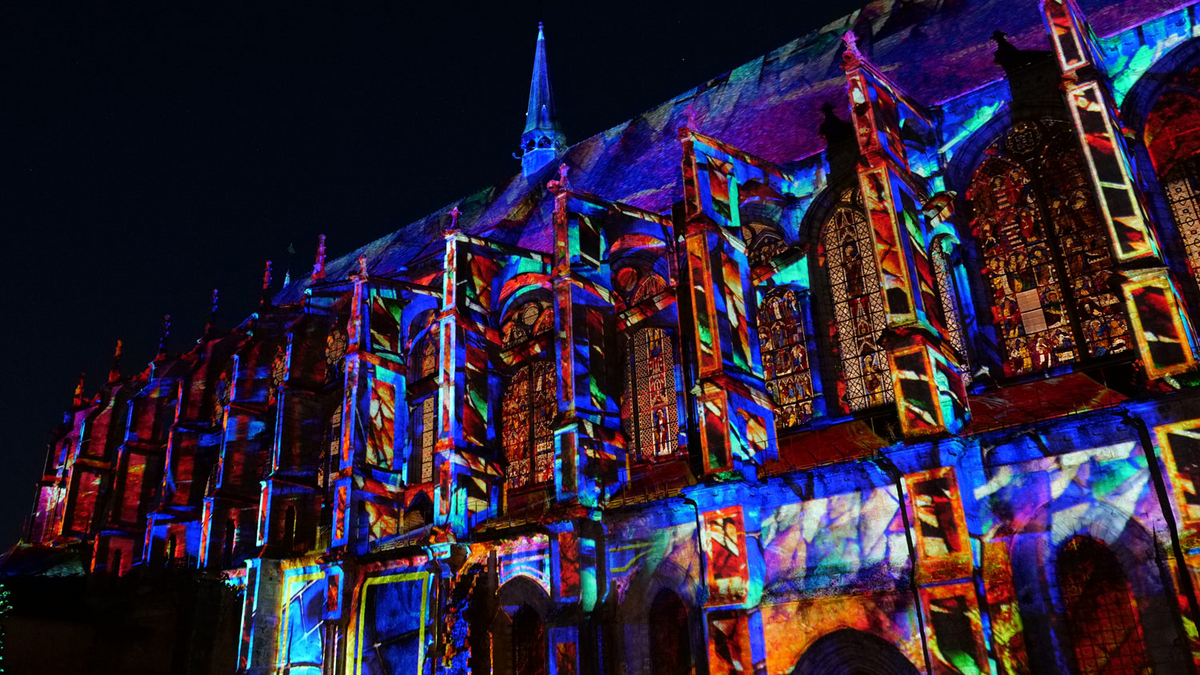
point(529, 408)
point(783, 339)
point(651, 394)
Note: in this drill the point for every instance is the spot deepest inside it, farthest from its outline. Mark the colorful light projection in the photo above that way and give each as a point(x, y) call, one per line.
point(725, 547)
point(391, 625)
point(939, 525)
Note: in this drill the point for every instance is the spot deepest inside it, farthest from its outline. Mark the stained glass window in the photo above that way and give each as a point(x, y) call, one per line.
point(1034, 271)
point(761, 232)
point(1102, 623)
point(423, 360)
point(526, 321)
point(528, 410)
point(424, 431)
point(858, 308)
point(1183, 194)
point(650, 394)
point(948, 295)
point(783, 340)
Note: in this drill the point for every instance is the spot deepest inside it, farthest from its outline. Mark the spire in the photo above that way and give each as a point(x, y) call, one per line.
point(114, 371)
point(543, 140)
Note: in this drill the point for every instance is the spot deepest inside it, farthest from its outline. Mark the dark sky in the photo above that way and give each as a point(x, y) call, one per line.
point(149, 154)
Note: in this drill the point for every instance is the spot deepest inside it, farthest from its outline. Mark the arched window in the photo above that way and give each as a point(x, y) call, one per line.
point(943, 272)
point(529, 643)
point(424, 438)
point(1046, 251)
point(1102, 623)
point(782, 335)
point(1173, 140)
point(650, 408)
point(423, 370)
point(670, 646)
point(858, 309)
point(526, 321)
point(760, 230)
point(527, 424)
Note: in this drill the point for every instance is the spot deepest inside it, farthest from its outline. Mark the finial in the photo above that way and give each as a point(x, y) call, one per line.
point(543, 139)
point(362, 266)
point(114, 371)
point(319, 266)
point(561, 183)
point(162, 342)
point(212, 314)
point(454, 214)
point(77, 401)
point(266, 285)
point(851, 41)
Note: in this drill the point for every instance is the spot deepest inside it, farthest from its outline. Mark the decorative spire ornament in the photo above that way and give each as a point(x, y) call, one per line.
point(114, 371)
point(77, 401)
point(162, 342)
point(266, 284)
point(318, 271)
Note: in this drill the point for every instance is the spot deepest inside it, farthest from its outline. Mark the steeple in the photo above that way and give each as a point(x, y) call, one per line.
point(543, 140)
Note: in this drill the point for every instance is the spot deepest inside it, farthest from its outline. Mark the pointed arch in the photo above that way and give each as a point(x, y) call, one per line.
point(1102, 622)
point(528, 410)
point(1045, 251)
point(670, 643)
point(650, 407)
point(852, 652)
point(847, 253)
point(784, 335)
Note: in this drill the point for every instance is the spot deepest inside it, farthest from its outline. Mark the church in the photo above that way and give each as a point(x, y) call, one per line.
point(876, 354)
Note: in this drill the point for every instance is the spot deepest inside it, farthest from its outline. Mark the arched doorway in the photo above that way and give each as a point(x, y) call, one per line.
point(1102, 623)
point(670, 646)
point(528, 642)
point(853, 652)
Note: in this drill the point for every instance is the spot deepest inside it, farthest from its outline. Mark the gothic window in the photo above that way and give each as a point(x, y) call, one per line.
point(529, 643)
point(528, 410)
point(761, 232)
point(1182, 185)
point(858, 309)
point(636, 284)
point(782, 335)
point(424, 438)
point(943, 272)
point(527, 321)
point(423, 361)
point(670, 647)
point(1047, 260)
point(1101, 620)
point(651, 409)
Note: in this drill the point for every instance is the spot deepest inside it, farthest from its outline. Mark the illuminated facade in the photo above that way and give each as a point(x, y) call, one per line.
point(875, 354)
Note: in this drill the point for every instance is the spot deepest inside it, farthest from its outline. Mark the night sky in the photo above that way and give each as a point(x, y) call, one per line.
point(151, 154)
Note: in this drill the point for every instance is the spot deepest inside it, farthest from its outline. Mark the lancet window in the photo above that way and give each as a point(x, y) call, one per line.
point(1174, 148)
point(1106, 636)
point(651, 410)
point(947, 286)
point(422, 374)
point(527, 424)
point(858, 309)
point(1182, 185)
point(783, 337)
point(1045, 246)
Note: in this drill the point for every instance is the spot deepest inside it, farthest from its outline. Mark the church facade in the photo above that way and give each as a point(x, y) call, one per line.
point(875, 354)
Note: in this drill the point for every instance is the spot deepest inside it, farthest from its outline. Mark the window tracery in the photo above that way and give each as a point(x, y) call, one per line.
point(528, 409)
point(943, 273)
point(650, 394)
point(424, 431)
point(527, 321)
point(423, 361)
point(1105, 633)
point(783, 339)
point(1042, 266)
point(1182, 185)
point(761, 232)
point(857, 300)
